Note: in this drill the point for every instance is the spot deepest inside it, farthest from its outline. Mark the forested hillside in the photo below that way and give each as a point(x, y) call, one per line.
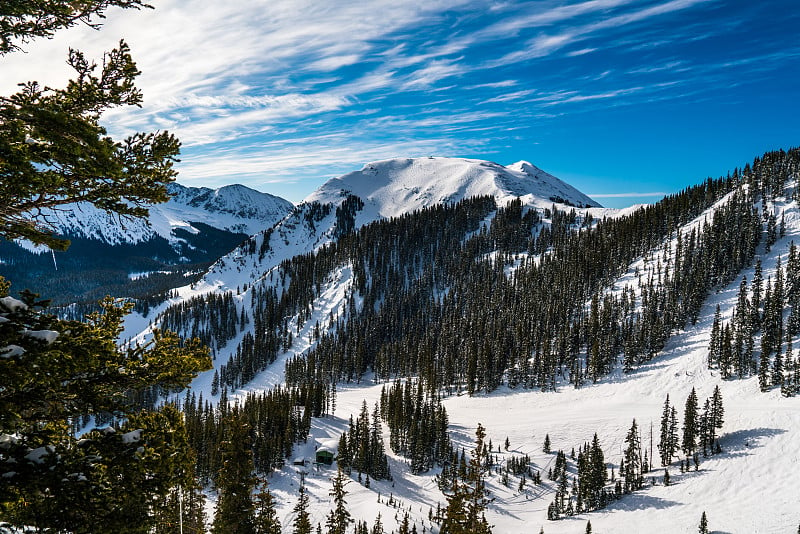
point(475, 297)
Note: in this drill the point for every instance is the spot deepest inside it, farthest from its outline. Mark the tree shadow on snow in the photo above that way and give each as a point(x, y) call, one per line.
point(740, 442)
point(640, 501)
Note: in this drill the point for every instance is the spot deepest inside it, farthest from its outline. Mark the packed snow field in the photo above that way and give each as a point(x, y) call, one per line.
point(750, 487)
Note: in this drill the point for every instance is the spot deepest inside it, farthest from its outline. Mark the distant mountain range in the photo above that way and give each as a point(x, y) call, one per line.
point(138, 257)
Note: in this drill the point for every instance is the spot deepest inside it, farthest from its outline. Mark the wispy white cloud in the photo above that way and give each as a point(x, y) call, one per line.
point(435, 71)
point(545, 44)
point(285, 89)
point(508, 97)
point(581, 52)
point(571, 99)
point(494, 85)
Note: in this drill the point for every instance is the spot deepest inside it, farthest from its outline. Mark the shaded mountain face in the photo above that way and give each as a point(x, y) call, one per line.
point(140, 257)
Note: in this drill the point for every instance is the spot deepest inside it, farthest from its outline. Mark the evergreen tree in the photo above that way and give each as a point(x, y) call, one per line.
point(467, 499)
point(690, 424)
point(302, 521)
point(715, 343)
point(235, 513)
point(632, 469)
point(665, 441)
point(377, 527)
point(476, 479)
point(756, 286)
point(87, 374)
point(703, 527)
point(456, 520)
point(53, 151)
point(266, 518)
point(63, 155)
point(716, 414)
point(184, 505)
point(339, 518)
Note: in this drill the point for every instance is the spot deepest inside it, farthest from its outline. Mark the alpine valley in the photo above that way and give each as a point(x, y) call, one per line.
point(424, 334)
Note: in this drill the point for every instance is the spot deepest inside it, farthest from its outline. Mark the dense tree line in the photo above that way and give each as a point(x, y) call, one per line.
point(465, 321)
point(417, 424)
point(214, 318)
point(361, 447)
point(91, 269)
point(767, 312)
point(276, 419)
point(589, 489)
point(526, 299)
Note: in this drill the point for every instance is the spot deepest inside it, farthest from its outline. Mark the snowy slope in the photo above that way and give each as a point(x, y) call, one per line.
point(233, 208)
point(750, 488)
point(393, 187)
point(389, 188)
point(112, 255)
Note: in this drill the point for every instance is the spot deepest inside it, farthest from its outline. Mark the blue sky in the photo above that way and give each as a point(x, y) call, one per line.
point(624, 99)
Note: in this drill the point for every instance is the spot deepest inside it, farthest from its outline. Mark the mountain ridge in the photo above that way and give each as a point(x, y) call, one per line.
point(400, 185)
point(382, 190)
point(232, 208)
point(140, 257)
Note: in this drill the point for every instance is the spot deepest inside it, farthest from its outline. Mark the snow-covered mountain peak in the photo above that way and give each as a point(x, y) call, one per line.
point(396, 186)
point(241, 201)
point(385, 189)
point(233, 208)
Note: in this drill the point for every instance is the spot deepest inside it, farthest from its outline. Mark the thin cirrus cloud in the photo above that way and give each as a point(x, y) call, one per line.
point(545, 44)
point(265, 91)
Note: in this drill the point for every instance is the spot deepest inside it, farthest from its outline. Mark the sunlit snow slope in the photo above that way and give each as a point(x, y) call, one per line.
point(232, 208)
point(389, 188)
point(750, 487)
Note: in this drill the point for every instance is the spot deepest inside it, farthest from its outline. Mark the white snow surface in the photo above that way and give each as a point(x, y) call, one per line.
point(48, 336)
point(10, 304)
point(11, 351)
